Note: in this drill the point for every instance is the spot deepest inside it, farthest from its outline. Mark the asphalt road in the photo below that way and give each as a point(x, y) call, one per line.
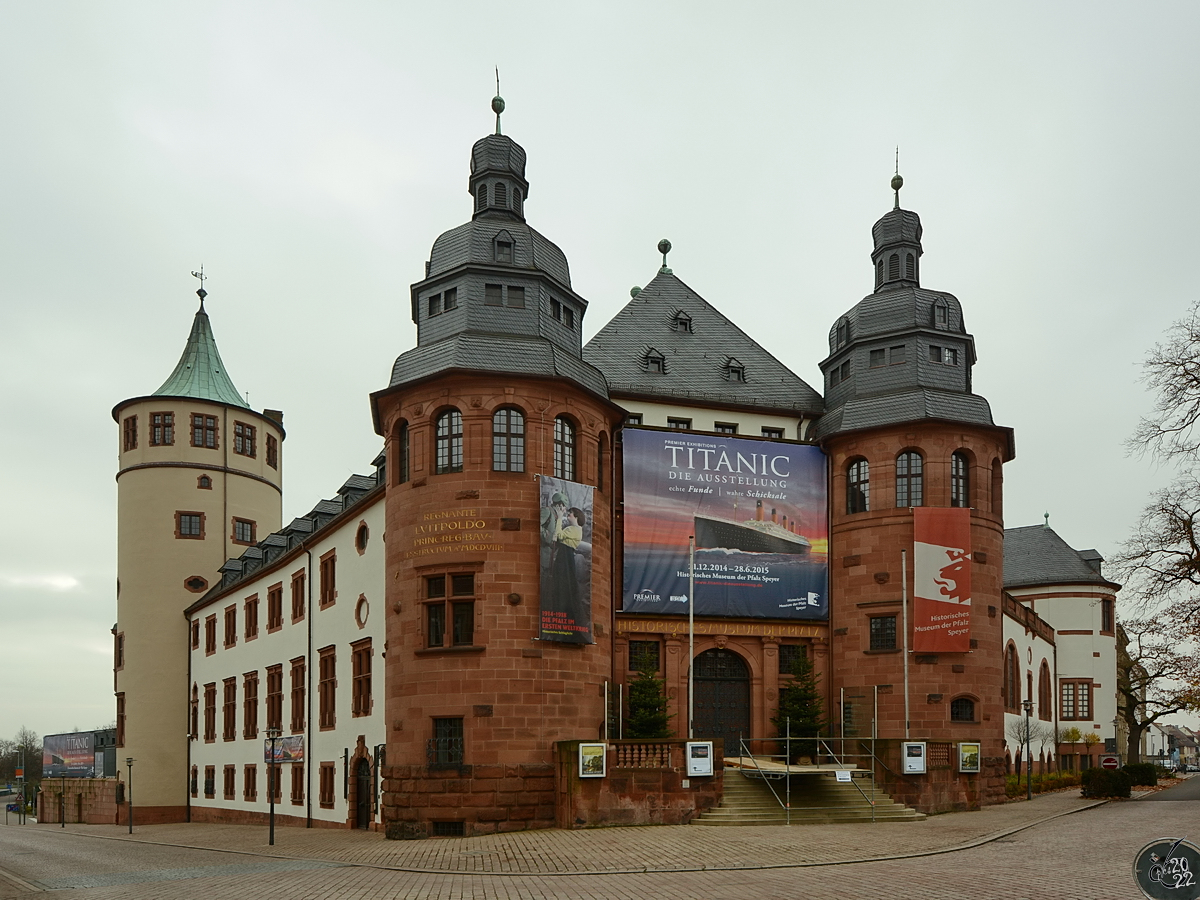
point(1189, 790)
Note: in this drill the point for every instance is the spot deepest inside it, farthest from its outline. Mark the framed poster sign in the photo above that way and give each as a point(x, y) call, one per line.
point(968, 757)
point(913, 757)
point(699, 758)
point(592, 760)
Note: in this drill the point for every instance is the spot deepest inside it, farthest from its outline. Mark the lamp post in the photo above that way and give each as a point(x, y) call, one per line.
point(1028, 704)
point(129, 761)
point(62, 800)
point(272, 736)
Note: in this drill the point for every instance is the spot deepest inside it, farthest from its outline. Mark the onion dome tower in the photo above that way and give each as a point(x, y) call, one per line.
point(904, 429)
point(199, 474)
point(495, 396)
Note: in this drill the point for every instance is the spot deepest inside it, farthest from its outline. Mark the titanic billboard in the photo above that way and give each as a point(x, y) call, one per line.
point(757, 509)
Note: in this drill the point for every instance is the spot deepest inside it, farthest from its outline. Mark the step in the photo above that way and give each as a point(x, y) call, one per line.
point(815, 798)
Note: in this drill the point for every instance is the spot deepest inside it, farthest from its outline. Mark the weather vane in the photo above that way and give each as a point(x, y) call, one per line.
point(897, 181)
point(202, 293)
point(497, 101)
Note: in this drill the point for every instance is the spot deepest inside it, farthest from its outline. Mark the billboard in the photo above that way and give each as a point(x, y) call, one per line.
point(565, 596)
point(757, 509)
point(288, 749)
point(69, 755)
point(941, 580)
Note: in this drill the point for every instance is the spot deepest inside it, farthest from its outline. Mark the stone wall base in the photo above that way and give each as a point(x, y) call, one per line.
point(424, 801)
point(87, 801)
point(285, 817)
point(942, 788)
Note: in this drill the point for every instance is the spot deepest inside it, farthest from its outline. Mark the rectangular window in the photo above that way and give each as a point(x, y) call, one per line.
point(210, 712)
point(275, 607)
point(950, 356)
point(493, 295)
point(446, 748)
point(251, 616)
point(210, 781)
point(883, 632)
point(121, 719)
point(788, 653)
point(1075, 700)
point(204, 431)
point(297, 784)
point(250, 705)
point(230, 626)
point(245, 441)
point(298, 596)
point(230, 782)
point(464, 624)
point(327, 688)
point(210, 635)
point(298, 695)
point(679, 424)
point(195, 779)
point(119, 650)
point(189, 525)
point(556, 310)
point(243, 531)
point(450, 299)
point(935, 354)
point(361, 662)
point(272, 451)
point(275, 782)
point(328, 579)
point(569, 317)
point(435, 624)
point(1107, 622)
point(229, 710)
point(195, 634)
point(250, 784)
point(516, 298)
point(633, 419)
point(644, 656)
point(328, 774)
point(130, 433)
point(725, 427)
point(1085, 700)
point(275, 697)
point(896, 355)
point(435, 305)
point(162, 429)
point(878, 358)
point(775, 433)
point(1067, 689)
point(504, 252)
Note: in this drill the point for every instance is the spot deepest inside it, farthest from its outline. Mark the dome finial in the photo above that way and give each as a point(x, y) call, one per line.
point(202, 293)
point(897, 181)
point(497, 101)
point(664, 247)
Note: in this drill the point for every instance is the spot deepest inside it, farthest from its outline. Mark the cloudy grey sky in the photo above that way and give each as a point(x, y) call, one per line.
point(309, 153)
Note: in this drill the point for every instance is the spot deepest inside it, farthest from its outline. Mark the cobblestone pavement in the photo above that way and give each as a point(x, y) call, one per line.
point(1076, 849)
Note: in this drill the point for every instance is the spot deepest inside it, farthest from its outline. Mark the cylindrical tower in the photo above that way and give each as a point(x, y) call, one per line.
point(200, 476)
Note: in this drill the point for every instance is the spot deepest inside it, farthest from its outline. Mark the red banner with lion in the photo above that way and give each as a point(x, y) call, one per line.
point(941, 580)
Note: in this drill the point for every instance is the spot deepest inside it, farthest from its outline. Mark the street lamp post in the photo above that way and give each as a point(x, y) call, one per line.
point(62, 801)
point(129, 761)
point(272, 736)
point(1028, 704)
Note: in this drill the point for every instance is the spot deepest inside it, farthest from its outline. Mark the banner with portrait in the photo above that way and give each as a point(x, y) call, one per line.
point(565, 598)
point(757, 509)
point(941, 580)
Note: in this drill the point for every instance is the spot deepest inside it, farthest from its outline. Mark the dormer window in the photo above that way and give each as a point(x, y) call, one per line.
point(504, 253)
point(682, 322)
point(842, 333)
point(733, 370)
point(941, 314)
point(655, 362)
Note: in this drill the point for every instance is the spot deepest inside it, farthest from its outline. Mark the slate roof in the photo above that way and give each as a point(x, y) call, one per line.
point(1035, 555)
point(900, 308)
point(472, 242)
point(200, 372)
point(905, 406)
point(695, 361)
point(509, 354)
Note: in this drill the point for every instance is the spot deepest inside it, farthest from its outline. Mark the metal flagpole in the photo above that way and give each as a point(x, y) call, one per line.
point(904, 614)
point(691, 627)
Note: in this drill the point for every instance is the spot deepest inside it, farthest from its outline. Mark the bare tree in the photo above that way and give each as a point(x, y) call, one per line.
point(1157, 675)
point(1160, 562)
point(1172, 371)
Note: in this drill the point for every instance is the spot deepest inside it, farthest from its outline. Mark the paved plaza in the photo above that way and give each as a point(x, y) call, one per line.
point(1057, 846)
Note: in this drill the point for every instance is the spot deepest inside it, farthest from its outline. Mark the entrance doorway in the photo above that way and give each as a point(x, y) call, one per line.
point(363, 792)
point(721, 680)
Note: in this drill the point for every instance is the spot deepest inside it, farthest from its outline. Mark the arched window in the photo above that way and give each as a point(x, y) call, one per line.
point(508, 440)
point(910, 267)
point(858, 487)
point(195, 712)
point(997, 488)
point(962, 709)
point(564, 449)
point(1012, 682)
point(960, 485)
point(910, 479)
point(402, 451)
point(448, 442)
point(517, 201)
point(893, 267)
point(879, 271)
point(481, 196)
point(501, 195)
point(1045, 694)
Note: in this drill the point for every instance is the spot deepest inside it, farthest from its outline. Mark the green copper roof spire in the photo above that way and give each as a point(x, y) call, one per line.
point(200, 372)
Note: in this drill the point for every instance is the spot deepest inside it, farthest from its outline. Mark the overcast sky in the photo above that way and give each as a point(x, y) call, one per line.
point(308, 154)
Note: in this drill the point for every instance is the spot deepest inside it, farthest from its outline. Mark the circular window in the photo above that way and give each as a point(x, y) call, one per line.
point(195, 584)
point(361, 537)
point(362, 609)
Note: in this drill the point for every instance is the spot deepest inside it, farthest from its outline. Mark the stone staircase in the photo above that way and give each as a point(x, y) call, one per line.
point(749, 801)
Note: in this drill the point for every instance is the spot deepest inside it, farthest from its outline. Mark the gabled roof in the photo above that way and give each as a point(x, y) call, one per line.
point(1036, 555)
point(696, 358)
point(200, 372)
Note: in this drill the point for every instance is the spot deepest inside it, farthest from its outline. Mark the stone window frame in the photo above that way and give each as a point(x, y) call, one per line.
point(210, 782)
point(298, 694)
point(275, 607)
point(120, 741)
point(229, 782)
point(297, 794)
point(204, 483)
point(1081, 691)
point(328, 574)
point(656, 654)
point(444, 607)
point(250, 617)
point(272, 451)
point(858, 486)
point(229, 709)
point(250, 705)
point(210, 712)
point(1010, 680)
point(208, 427)
point(327, 781)
point(299, 598)
point(189, 536)
point(210, 635)
point(566, 448)
point(1045, 704)
point(877, 638)
point(230, 623)
point(162, 429)
point(245, 439)
point(239, 524)
point(249, 783)
point(910, 478)
point(960, 479)
point(362, 699)
point(274, 696)
point(784, 664)
point(448, 441)
point(958, 718)
point(327, 688)
point(508, 439)
point(403, 451)
point(118, 651)
point(129, 435)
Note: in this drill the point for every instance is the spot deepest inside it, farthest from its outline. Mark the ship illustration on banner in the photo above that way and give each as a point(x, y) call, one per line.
point(757, 535)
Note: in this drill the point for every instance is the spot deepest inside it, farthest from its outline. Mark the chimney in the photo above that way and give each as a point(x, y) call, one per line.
point(758, 512)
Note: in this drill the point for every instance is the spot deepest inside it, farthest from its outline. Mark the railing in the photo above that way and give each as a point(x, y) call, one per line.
point(637, 755)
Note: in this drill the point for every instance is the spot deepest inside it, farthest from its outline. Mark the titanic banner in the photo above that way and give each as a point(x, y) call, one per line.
point(69, 755)
point(566, 560)
point(941, 580)
point(757, 509)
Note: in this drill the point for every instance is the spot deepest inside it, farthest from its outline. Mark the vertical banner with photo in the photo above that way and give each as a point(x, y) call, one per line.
point(757, 509)
point(566, 560)
point(69, 755)
point(941, 580)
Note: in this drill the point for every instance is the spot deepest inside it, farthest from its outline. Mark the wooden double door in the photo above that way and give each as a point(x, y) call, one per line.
point(721, 681)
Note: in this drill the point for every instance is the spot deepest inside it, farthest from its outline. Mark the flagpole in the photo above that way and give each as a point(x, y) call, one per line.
point(904, 617)
point(691, 628)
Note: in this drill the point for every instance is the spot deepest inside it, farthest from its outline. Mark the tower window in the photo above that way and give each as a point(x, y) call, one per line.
point(517, 200)
point(879, 271)
point(162, 429)
point(446, 746)
point(449, 442)
point(500, 195)
point(910, 267)
point(960, 493)
point(481, 196)
point(516, 297)
point(272, 451)
point(508, 440)
point(130, 433)
point(435, 305)
point(883, 632)
point(401, 438)
point(189, 525)
point(245, 441)
point(897, 355)
point(450, 299)
point(940, 314)
point(569, 317)
point(493, 295)
point(243, 531)
point(564, 449)
point(893, 267)
point(962, 709)
point(910, 479)
point(504, 252)
point(858, 487)
point(842, 333)
point(204, 431)
point(556, 310)
point(878, 358)
point(204, 483)
point(838, 374)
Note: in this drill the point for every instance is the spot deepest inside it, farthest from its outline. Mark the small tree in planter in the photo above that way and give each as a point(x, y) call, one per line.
point(1072, 736)
point(801, 713)
point(647, 717)
point(1090, 740)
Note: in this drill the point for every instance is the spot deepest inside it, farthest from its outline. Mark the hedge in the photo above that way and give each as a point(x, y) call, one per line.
point(1106, 783)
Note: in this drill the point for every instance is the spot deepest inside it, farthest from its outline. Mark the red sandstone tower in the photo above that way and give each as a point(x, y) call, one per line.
point(902, 430)
point(494, 395)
